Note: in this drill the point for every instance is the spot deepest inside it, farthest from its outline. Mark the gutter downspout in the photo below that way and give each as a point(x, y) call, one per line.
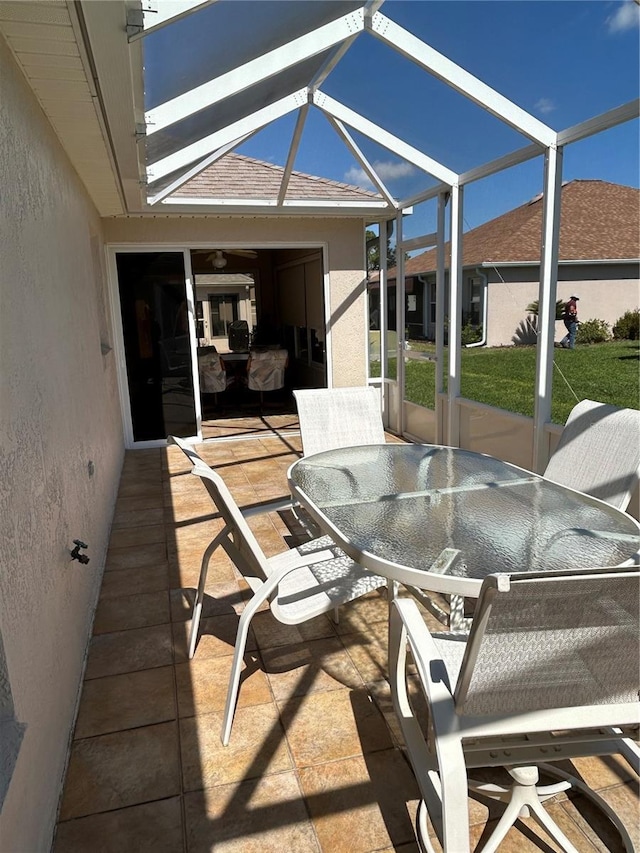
point(485, 309)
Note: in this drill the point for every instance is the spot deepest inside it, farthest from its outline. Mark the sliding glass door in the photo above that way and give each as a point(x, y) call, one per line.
point(156, 325)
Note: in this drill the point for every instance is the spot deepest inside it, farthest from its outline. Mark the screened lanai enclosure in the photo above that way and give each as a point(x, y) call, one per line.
point(286, 86)
point(238, 147)
point(185, 183)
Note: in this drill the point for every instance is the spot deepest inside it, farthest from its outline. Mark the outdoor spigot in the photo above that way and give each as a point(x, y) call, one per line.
point(76, 555)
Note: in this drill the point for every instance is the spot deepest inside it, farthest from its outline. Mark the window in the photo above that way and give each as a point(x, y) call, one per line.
point(224, 310)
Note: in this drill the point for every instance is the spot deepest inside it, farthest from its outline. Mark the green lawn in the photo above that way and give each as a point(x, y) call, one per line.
point(505, 377)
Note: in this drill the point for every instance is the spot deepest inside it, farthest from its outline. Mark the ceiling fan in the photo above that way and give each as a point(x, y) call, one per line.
point(219, 261)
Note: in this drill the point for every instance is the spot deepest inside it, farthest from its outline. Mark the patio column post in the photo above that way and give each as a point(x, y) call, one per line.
point(400, 322)
point(455, 302)
point(440, 314)
point(547, 303)
point(384, 317)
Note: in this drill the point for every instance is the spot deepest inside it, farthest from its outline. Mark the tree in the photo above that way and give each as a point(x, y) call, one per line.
point(373, 251)
point(534, 308)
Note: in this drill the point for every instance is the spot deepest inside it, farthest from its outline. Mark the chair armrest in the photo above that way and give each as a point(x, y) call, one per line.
point(268, 506)
point(407, 624)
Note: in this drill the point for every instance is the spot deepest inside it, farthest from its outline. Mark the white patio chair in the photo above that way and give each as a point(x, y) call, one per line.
point(599, 452)
point(339, 417)
point(548, 672)
point(300, 583)
point(331, 418)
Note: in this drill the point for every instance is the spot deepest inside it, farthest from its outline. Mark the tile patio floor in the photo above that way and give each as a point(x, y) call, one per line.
point(314, 762)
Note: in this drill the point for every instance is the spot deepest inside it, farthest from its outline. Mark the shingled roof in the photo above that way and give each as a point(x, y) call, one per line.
point(237, 176)
point(598, 221)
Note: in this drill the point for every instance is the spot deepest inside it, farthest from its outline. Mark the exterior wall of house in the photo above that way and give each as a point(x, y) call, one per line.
point(61, 450)
point(606, 291)
point(345, 253)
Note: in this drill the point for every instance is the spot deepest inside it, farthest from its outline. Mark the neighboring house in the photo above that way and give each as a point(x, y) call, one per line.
point(598, 260)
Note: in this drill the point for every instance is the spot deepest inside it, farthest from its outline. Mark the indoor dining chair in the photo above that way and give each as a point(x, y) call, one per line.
point(599, 452)
point(299, 584)
point(548, 672)
point(266, 371)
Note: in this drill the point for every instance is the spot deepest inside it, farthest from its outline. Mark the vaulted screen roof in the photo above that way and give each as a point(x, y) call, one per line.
point(222, 73)
point(147, 94)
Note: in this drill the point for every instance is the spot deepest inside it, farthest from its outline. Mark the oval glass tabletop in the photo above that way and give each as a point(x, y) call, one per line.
point(407, 510)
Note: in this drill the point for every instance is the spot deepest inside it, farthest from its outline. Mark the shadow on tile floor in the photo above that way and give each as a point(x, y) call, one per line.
point(314, 762)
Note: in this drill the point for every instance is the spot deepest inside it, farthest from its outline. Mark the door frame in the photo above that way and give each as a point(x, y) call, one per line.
point(184, 248)
point(118, 336)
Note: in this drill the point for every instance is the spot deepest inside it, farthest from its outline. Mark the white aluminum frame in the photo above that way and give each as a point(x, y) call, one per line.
point(118, 337)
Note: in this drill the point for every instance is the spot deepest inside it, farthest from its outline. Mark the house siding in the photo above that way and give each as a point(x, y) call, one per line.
point(606, 291)
point(59, 411)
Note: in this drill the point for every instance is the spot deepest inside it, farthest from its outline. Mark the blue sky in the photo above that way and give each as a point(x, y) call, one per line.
point(562, 60)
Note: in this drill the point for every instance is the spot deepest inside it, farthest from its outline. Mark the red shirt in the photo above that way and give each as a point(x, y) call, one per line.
point(571, 311)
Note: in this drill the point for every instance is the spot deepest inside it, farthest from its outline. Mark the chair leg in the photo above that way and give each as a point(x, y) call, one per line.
point(238, 657)
point(523, 798)
point(197, 606)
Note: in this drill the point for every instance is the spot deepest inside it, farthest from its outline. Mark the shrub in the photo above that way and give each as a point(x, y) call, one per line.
point(533, 308)
point(593, 332)
point(470, 334)
point(627, 327)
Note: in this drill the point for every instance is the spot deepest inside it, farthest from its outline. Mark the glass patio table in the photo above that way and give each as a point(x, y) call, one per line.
point(441, 518)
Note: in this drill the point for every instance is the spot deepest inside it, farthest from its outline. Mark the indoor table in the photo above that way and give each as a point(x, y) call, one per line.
point(441, 518)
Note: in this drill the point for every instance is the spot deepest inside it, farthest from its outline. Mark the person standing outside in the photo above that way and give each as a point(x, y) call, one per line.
point(570, 318)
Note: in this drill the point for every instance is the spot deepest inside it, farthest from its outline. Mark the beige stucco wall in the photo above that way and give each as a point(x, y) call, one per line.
point(343, 239)
point(59, 410)
point(603, 299)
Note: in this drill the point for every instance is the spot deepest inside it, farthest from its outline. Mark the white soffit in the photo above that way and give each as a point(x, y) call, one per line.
point(44, 39)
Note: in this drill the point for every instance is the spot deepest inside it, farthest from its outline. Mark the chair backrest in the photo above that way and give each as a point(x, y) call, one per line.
point(213, 376)
point(599, 452)
point(266, 369)
point(238, 336)
point(331, 418)
point(236, 538)
point(554, 640)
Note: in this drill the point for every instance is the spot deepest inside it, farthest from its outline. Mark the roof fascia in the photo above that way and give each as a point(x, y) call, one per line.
point(462, 81)
point(225, 135)
point(253, 72)
point(334, 108)
point(566, 263)
point(262, 202)
point(150, 15)
point(118, 70)
point(601, 122)
point(293, 150)
point(263, 208)
point(528, 264)
point(195, 170)
point(344, 134)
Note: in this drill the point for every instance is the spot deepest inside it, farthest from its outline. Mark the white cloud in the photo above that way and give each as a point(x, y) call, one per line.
point(386, 171)
point(358, 177)
point(545, 105)
point(626, 17)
